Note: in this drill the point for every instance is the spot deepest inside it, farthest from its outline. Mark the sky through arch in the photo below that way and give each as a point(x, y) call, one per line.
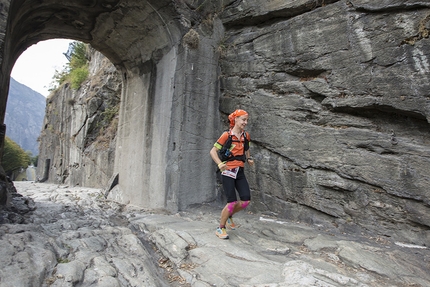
point(36, 65)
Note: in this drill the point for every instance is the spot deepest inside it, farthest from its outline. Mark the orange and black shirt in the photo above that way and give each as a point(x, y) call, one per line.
point(238, 147)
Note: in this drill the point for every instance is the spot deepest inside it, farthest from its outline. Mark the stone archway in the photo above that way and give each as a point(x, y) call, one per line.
point(164, 110)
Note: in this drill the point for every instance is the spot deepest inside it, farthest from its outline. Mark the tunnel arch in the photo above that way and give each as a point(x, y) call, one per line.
point(143, 40)
point(118, 29)
point(107, 25)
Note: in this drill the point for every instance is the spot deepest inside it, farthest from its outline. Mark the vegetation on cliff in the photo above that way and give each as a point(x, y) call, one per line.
point(75, 71)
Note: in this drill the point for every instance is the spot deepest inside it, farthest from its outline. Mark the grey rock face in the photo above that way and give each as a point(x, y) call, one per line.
point(79, 132)
point(339, 110)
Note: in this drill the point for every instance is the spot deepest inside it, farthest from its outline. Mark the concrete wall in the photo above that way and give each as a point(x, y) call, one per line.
point(168, 124)
point(144, 127)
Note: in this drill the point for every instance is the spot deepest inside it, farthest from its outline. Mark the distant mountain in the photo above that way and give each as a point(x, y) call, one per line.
point(25, 112)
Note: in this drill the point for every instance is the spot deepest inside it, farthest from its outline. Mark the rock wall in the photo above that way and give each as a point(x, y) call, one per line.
point(79, 132)
point(336, 90)
point(339, 109)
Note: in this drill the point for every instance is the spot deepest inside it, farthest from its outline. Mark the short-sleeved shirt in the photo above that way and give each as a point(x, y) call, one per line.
point(238, 147)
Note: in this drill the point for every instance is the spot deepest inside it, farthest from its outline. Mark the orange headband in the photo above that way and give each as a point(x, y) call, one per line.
point(235, 114)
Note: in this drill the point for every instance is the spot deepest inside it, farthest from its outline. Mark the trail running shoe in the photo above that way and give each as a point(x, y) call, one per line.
point(230, 224)
point(221, 233)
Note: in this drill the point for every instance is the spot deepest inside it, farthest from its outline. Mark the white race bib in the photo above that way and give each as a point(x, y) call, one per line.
point(231, 172)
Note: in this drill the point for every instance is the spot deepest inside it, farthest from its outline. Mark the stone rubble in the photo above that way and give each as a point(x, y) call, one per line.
point(75, 237)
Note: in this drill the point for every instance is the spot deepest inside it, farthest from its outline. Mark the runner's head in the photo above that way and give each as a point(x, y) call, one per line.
point(238, 116)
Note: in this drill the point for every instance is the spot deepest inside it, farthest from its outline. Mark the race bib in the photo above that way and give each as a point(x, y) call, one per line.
point(231, 172)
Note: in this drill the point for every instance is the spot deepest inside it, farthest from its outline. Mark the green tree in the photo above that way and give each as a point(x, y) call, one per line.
point(78, 55)
point(14, 157)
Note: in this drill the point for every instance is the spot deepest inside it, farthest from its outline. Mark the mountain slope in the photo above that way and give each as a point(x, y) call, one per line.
point(25, 112)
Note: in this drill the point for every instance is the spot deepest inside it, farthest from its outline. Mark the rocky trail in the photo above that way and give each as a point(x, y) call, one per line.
point(75, 237)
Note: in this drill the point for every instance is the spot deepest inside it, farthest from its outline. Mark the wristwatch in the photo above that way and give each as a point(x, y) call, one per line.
point(250, 158)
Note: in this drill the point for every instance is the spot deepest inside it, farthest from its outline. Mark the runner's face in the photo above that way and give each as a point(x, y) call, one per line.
point(242, 121)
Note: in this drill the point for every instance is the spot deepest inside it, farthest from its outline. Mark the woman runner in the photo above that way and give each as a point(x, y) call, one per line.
point(232, 169)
